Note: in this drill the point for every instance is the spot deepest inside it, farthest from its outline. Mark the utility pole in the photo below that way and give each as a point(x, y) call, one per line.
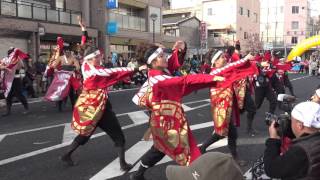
point(276, 25)
point(268, 25)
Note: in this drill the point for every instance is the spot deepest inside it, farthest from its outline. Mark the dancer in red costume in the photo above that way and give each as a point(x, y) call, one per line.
point(226, 102)
point(93, 108)
point(162, 95)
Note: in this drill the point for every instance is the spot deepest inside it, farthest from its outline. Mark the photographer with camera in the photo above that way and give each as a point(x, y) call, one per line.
point(302, 159)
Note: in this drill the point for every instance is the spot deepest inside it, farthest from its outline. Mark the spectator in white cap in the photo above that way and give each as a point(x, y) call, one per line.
point(316, 96)
point(302, 160)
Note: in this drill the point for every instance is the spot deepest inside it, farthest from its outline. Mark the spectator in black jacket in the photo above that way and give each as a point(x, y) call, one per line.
point(302, 160)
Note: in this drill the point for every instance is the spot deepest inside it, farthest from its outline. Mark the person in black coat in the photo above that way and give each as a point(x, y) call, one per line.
point(302, 159)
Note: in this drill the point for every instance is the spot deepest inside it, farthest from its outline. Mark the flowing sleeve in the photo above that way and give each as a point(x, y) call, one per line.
point(105, 76)
point(177, 87)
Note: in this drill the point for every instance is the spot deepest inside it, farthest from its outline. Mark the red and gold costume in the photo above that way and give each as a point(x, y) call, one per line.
point(227, 101)
point(91, 103)
point(162, 95)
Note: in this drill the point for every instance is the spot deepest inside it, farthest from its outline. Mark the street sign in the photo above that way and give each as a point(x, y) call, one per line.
point(112, 28)
point(203, 34)
point(203, 31)
point(41, 31)
point(112, 4)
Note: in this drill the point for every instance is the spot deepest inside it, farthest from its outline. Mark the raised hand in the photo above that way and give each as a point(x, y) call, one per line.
point(81, 23)
point(249, 57)
point(143, 67)
point(218, 78)
point(179, 45)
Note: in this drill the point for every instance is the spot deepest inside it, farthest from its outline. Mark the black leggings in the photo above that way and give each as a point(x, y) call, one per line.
point(266, 92)
point(16, 91)
point(152, 157)
point(110, 125)
point(72, 97)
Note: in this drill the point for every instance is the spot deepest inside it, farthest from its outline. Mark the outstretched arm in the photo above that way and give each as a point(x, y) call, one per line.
point(178, 87)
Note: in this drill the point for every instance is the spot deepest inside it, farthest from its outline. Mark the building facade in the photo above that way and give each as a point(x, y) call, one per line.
point(284, 23)
point(182, 25)
point(135, 25)
point(34, 25)
point(227, 20)
point(297, 25)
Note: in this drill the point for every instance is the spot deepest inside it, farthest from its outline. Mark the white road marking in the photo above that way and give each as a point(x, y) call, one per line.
point(118, 115)
point(135, 153)
point(186, 108)
point(32, 130)
point(132, 155)
point(138, 117)
point(2, 137)
point(40, 99)
point(303, 77)
point(40, 143)
point(64, 144)
point(36, 100)
point(68, 133)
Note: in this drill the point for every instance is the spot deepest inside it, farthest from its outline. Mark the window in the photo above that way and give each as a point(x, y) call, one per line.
point(171, 32)
point(241, 11)
point(248, 12)
point(294, 40)
point(245, 35)
point(295, 9)
point(295, 25)
point(60, 4)
point(210, 12)
point(281, 9)
point(255, 17)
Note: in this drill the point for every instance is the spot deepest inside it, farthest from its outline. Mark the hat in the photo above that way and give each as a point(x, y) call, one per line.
point(318, 92)
point(308, 113)
point(210, 166)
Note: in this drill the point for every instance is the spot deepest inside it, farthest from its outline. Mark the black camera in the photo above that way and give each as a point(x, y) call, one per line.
point(282, 124)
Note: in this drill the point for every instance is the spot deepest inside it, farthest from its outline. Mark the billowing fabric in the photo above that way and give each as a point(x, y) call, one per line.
point(60, 86)
point(11, 63)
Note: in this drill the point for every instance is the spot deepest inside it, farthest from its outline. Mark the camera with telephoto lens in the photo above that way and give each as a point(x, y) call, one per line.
point(282, 124)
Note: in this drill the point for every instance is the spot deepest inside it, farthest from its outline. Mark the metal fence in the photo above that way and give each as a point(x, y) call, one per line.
point(40, 12)
point(128, 22)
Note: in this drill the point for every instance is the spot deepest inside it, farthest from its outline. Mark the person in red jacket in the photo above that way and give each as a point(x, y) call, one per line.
point(93, 108)
point(162, 94)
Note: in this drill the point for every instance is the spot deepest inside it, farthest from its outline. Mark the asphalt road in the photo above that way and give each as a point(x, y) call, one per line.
point(30, 145)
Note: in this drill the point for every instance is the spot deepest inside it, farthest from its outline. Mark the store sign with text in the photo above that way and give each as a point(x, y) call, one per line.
point(112, 4)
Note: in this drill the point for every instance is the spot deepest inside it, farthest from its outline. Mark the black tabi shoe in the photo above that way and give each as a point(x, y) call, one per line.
point(67, 160)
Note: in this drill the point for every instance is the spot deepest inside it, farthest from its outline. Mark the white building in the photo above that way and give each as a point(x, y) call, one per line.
point(227, 20)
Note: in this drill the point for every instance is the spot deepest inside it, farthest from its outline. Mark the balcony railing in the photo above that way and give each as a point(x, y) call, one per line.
point(38, 12)
point(128, 22)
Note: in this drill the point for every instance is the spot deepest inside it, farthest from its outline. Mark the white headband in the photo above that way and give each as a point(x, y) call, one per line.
point(92, 55)
point(308, 113)
point(215, 57)
point(154, 55)
point(318, 92)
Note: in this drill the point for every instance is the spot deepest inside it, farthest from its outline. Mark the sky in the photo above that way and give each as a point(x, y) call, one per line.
point(315, 7)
